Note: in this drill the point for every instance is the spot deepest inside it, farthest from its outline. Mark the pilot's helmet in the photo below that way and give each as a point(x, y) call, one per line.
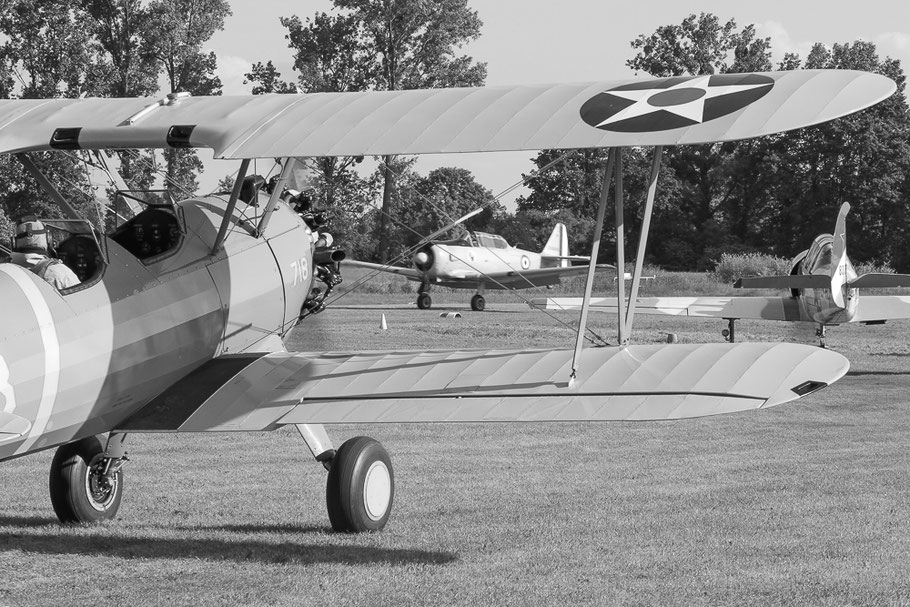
point(31, 236)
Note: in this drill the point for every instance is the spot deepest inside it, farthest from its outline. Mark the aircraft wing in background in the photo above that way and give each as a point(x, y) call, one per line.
point(410, 273)
point(872, 308)
point(758, 308)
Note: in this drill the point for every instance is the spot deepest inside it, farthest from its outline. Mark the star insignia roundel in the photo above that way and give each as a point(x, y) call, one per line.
point(672, 103)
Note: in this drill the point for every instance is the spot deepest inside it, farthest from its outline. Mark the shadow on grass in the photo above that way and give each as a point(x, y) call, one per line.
point(235, 549)
point(27, 521)
point(254, 528)
point(874, 373)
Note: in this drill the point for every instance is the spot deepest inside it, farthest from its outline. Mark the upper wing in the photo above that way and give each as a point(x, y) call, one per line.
point(647, 382)
point(760, 308)
point(409, 272)
point(685, 110)
point(882, 307)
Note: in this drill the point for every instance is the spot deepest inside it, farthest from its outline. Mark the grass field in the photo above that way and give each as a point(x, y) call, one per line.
point(805, 504)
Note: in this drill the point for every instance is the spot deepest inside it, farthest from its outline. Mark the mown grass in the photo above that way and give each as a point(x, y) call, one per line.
point(806, 503)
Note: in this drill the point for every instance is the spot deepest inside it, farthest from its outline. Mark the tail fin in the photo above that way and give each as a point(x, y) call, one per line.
point(557, 245)
point(839, 259)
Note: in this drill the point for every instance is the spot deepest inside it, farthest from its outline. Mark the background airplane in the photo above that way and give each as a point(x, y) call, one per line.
point(482, 261)
point(183, 334)
point(823, 289)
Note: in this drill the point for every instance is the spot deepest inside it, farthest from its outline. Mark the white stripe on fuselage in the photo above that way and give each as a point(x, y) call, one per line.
point(51, 354)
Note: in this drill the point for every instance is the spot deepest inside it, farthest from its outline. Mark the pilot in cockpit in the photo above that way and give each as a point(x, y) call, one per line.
point(30, 250)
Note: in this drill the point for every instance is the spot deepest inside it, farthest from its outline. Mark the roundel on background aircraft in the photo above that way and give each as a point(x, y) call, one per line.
point(672, 103)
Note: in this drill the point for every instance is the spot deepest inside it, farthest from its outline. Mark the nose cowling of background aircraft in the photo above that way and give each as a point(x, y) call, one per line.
point(423, 259)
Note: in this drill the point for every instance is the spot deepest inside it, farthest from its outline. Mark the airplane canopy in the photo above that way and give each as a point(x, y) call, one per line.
point(665, 111)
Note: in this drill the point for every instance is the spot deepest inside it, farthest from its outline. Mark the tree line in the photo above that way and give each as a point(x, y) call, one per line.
point(771, 194)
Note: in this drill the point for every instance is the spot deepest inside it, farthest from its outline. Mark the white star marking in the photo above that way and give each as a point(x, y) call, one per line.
point(692, 110)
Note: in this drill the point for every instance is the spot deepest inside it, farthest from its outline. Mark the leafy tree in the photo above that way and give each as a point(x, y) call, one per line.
point(44, 54)
point(123, 64)
point(177, 31)
point(331, 53)
point(863, 159)
point(46, 47)
point(414, 43)
point(266, 79)
point(432, 202)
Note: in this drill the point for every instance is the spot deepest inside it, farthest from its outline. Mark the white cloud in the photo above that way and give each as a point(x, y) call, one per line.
point(231, 70)
point(895, 45)
point(781, 41)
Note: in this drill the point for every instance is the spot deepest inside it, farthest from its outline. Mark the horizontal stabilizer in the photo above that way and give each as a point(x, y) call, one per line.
point(646, 382)
point(794, 281)
point(880, 281)
point(758, 308)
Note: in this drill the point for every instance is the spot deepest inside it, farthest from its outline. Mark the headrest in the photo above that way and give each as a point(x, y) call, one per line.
point(31, 236)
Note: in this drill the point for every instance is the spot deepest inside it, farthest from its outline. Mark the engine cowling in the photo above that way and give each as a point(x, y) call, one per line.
point(423, 259)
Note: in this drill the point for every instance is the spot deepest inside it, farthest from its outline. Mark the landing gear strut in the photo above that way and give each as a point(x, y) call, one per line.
point(820, 333)
point(86, 480)
point(730, 332)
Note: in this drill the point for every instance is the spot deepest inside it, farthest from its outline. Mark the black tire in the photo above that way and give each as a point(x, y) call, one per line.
point(79, 492)
point(478, 303)
point(423, 301)
point(361, 487)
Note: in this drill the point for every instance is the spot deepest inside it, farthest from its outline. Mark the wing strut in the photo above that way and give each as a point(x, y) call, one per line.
point(620, 255)
point(232, 204)
point(625, 315)
point(643, 238)
point(276, 195)
point(592, 265)
point(48, 187)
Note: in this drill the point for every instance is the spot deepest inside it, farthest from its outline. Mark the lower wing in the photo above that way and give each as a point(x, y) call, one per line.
point(759, 308)
point(644, 382)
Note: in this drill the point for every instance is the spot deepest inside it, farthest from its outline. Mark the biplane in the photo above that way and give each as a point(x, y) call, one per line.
point(823, 288)
point(482, 261)
point(186, 336)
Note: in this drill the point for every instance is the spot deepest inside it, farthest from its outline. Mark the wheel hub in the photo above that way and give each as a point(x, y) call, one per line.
point(377, 490)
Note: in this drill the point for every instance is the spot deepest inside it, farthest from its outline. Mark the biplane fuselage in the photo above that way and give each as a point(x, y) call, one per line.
point(77, 363)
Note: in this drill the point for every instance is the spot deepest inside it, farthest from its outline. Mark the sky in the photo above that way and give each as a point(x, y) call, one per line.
point(535, 41)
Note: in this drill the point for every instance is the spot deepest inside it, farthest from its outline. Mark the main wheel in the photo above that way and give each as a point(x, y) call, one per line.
point(360, 487)
point(423, 301)
point(478, 303)
point(80, 492)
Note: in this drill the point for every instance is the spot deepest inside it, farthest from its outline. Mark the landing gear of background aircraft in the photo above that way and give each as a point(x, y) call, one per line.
point(360, 487)
point(86, 485)
point(423, 301)
point(478, 303)
point(730, 332)
point(820, 333)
